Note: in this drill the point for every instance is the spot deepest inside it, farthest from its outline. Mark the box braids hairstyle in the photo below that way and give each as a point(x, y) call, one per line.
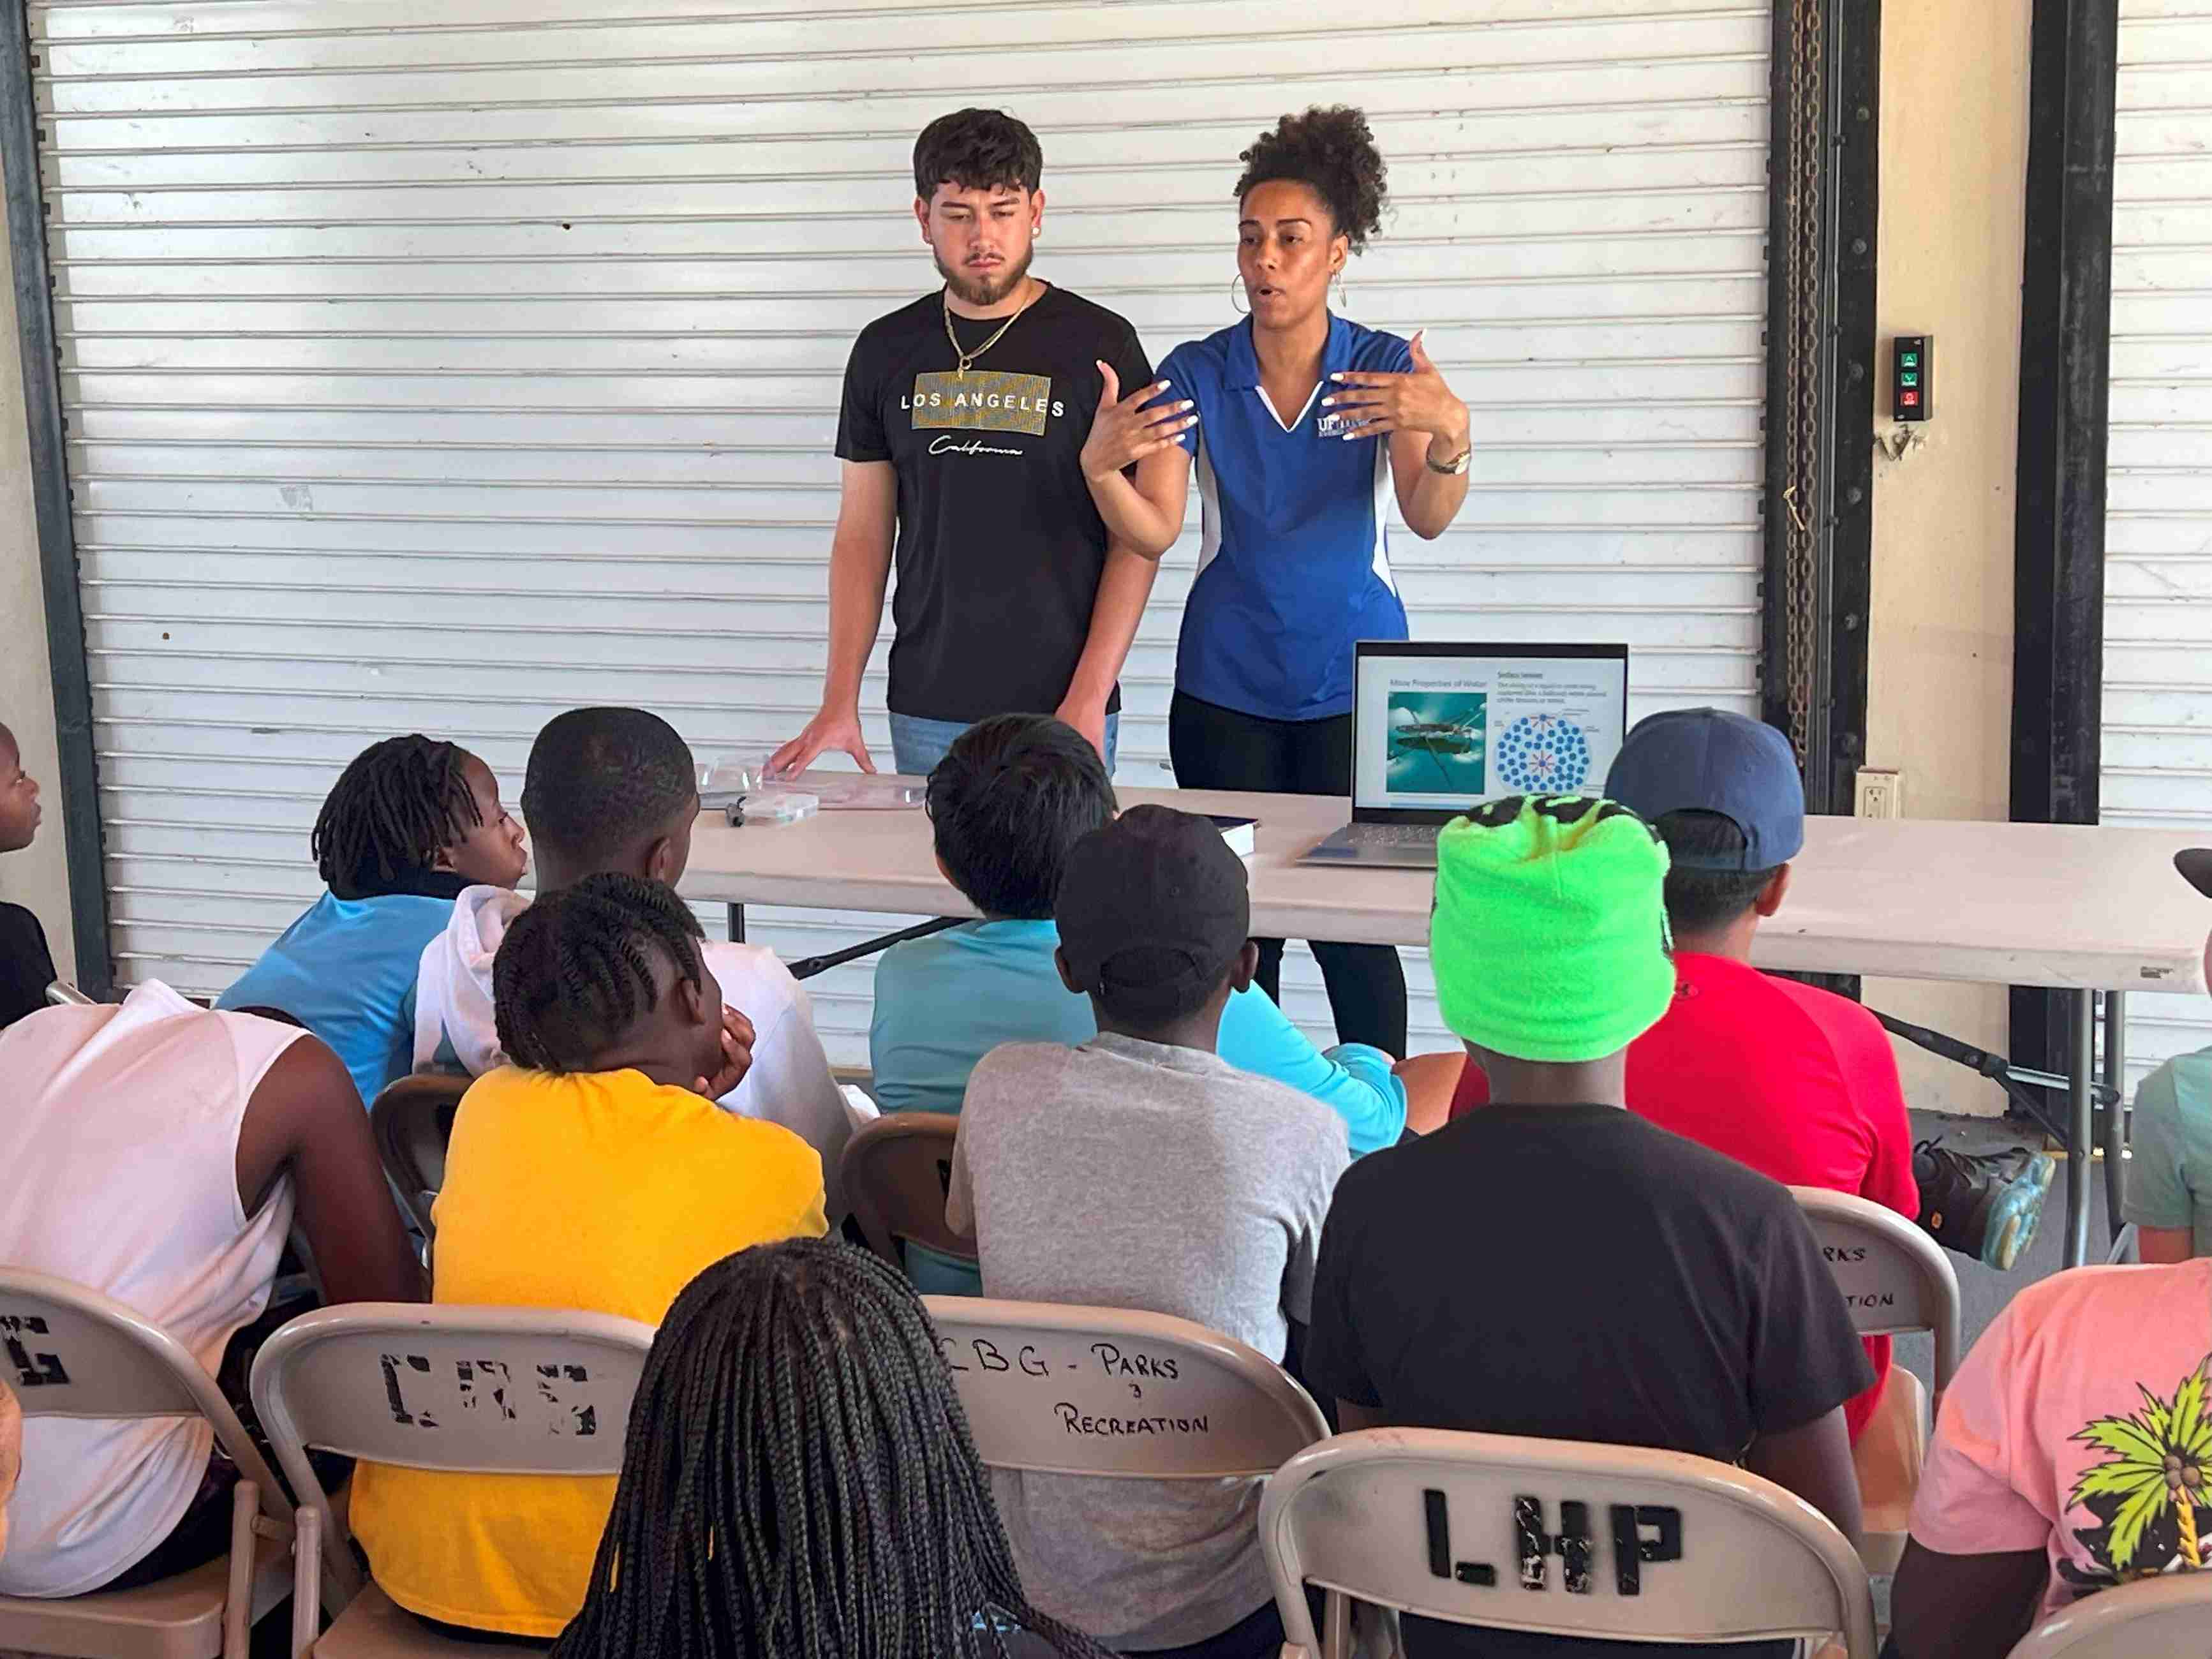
point(395, 807)
point(575, 968)
point(800, 1481)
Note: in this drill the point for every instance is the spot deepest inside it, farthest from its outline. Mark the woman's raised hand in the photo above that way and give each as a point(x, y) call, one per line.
point(1417, 401)
point(1124, 430)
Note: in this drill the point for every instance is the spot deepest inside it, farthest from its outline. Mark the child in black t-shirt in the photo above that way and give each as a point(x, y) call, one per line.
point(1552, 1265)
point(26, 967)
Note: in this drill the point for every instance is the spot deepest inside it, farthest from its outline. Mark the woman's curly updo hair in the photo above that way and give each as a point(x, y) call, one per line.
point(1331, 152)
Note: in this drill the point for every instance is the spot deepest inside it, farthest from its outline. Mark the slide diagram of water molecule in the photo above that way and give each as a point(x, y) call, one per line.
point(1543, 754)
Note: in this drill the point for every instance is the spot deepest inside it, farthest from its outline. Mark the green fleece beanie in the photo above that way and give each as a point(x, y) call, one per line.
point(1549, 935)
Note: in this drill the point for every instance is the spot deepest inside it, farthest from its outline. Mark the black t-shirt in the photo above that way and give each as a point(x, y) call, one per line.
point(1000, 544)
point(1577, 1274)
point(26, 967)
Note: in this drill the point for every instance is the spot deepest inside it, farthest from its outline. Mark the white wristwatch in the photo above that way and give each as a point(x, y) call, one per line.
point(1454, 467)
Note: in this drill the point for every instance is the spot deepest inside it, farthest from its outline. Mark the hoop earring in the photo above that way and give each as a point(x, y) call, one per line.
point(1236, 287)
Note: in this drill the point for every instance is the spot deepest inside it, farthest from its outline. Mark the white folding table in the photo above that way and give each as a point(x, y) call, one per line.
point(2078, 908)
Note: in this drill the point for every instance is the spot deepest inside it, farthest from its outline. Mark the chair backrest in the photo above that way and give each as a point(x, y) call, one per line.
point(1618, 1541)
point(1061, 1390)
point(470, 1390)
point(2168, 1618)
point(74, 1352)
point(1893, 1276)
point(412, 1119)
point(62, 994)
point(894, 1174)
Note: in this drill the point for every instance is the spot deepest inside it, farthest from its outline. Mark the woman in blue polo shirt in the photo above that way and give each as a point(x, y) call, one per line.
point(1306, 422)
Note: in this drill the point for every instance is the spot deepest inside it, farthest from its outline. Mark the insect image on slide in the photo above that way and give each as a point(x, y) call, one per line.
point(1437, 742)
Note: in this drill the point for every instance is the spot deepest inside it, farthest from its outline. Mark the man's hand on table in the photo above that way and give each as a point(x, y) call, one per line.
point(832, 728)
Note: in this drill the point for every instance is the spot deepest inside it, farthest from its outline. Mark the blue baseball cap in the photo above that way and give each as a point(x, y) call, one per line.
point(1709, 760)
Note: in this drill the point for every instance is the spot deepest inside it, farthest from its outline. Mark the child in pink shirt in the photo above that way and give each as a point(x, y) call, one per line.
point(2074, 1452)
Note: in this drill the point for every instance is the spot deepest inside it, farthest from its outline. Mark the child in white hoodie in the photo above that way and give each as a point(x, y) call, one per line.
point(616, 790)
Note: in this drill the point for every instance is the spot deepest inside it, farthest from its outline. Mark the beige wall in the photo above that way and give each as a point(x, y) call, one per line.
point(1953, 169)
point(39, 876)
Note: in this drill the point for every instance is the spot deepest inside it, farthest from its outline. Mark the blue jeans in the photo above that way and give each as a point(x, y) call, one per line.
point(918, 745)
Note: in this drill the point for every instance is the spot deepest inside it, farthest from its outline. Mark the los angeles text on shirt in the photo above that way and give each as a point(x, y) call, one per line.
point(982, 400)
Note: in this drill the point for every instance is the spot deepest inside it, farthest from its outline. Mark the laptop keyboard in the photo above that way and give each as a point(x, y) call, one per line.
point(1394, 834)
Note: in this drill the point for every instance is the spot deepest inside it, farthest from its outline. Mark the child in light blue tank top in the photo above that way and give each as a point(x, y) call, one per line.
point(409, 823)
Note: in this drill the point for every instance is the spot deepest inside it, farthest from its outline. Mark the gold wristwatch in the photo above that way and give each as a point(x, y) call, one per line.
point(1454, 467)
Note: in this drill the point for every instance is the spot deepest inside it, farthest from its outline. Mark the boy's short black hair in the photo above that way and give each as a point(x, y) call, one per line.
point(1331, 153)
point(575, 970)
point(976, 149)
point(397, 805)
point(1010, 797)
point(1700, 900)
point(601, 778)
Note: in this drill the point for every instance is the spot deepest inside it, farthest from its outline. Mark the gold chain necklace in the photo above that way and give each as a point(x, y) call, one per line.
point(967, 358)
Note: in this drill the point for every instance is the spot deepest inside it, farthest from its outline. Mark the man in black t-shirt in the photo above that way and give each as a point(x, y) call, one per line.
point(26, 966)
point(1551, 1265)
point(973, 420)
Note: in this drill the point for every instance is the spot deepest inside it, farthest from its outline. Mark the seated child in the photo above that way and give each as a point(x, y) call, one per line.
point(779, 1375)
point(2073, 1453)
point(615, 790)
point(159, 1153)
point(1550, 1264)
point(26, 967)
point(596, 1172)
point(1141, 1170)
point(1009, 800)
point(409, 823)
point(2169, 1192)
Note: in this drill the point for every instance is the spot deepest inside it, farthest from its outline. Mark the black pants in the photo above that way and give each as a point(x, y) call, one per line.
point(1218, 748)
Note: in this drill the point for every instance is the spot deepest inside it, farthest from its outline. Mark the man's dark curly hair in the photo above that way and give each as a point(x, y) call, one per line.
point(1331, 152)
point(976, 149)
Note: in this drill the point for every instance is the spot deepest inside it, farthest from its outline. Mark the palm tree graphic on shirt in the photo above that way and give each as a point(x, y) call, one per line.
point(2150, 1493)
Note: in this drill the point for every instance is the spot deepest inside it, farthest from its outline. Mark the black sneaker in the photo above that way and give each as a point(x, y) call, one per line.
point(1984, 1205)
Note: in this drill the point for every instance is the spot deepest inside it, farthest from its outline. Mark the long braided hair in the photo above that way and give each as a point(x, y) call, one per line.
point(395, 807)
point(800, 1482)
point(575, 968)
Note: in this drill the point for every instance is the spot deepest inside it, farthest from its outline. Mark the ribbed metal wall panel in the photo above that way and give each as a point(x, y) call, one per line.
point(2157, 769)
point(438, 365)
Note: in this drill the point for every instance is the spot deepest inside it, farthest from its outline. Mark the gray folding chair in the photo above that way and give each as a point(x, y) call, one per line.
point(2127, 1246)
point(75, 1353)
point(474, 1390)
point(1039, 1381)
point(894, 1174)
point(1557, 1537)
point(2168, 1618)
point(1894, 1278)
point(412, 1121)
point(62, 994)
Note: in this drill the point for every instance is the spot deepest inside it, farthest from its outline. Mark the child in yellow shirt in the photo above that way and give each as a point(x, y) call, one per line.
point(601, 1177)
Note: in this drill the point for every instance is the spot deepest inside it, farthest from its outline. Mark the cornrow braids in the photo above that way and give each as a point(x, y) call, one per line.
point(800, 1482)
point(576, 970)
point(395, 807)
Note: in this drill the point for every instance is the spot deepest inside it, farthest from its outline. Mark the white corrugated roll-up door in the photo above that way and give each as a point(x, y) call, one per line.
point(2157, 769)
point(440, 366)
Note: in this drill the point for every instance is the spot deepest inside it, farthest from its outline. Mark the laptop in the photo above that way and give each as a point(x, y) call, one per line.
point(1438, 729)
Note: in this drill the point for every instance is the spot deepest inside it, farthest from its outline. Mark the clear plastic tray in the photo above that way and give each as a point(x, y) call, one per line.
point(733, 777)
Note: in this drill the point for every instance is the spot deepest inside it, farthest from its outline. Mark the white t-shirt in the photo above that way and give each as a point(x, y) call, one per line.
point(789, 1083)
point(120, 1143)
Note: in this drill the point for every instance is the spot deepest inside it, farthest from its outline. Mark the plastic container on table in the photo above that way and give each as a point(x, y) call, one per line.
point(742, 776)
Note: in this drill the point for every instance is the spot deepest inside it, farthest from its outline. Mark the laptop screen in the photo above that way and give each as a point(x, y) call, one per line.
point(1439, 727)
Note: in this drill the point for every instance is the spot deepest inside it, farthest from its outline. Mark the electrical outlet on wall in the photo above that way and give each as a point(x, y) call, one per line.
point(1880, 793)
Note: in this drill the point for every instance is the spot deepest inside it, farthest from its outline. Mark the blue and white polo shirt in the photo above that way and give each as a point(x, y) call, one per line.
point(1294, 565)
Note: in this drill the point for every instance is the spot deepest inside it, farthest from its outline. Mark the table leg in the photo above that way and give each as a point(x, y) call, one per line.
point(2115, 1117)
point(737, 924)
point(2081, 1129)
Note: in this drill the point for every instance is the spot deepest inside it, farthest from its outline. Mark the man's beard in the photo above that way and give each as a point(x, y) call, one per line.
point(970, 292)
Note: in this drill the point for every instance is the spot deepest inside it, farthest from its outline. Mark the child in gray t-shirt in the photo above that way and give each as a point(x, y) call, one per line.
point(1141, 1170)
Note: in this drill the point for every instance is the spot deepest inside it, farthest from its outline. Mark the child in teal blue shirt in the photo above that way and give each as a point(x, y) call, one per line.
point(409, 824)
point(1010, 797)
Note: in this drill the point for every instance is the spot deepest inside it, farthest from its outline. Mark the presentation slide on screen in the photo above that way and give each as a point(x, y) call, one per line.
point(1444, 732)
